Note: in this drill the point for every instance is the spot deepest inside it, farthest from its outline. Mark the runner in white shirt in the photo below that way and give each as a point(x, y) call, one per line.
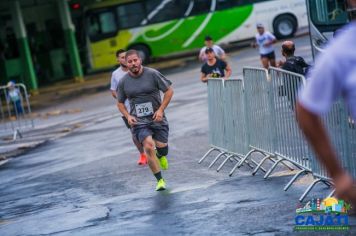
point(219, 52)
point(115, 79)
point(264, 41)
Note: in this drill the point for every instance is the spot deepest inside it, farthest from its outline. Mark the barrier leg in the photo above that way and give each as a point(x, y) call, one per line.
point(272, 168)
point(243, 160)
point(294, 179)
point(16, 132)
point(332, 193)
point(216, 159)
point(309, 189)
point(260, 164)
point(252, 167)
point(206, 154)
point(327, 183)
point(289, 167)
point(226, 160)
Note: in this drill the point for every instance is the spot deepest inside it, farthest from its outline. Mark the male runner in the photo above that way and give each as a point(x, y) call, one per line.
point(264, 41)
point(142, 86)
point(115, 78)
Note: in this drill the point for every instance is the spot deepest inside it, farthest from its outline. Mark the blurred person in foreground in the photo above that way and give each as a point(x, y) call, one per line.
point(333, 76)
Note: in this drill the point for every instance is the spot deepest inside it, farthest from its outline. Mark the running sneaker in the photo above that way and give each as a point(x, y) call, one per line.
point(142, 160)
point(163, 162)
point(161, 185)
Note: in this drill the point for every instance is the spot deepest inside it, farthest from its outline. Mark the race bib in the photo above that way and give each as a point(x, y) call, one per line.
point(144, 109)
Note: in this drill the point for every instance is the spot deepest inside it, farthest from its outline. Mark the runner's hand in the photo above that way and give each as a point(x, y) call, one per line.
point(158, 116)
point(269, 43)
point(345, 188)
point(132, 120)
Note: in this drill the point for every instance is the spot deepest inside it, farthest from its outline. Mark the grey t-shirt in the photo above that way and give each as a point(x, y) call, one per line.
point(143, 93)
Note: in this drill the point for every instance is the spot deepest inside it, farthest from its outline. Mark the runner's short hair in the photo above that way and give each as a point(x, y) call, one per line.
point(132, 52)
point(118, 52)
point(208, 50)
point(208, 38)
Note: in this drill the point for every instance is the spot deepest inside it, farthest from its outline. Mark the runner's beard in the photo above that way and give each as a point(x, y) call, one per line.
point(135, 70)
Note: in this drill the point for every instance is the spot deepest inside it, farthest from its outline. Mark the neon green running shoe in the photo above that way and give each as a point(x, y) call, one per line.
point(163, 162)
point(161, 185)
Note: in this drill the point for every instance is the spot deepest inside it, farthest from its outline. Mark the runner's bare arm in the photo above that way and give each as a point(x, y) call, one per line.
point(204, 78)
point(318, 138)
point(113, 93)
point(201, 55)
point(223, 56)
point(270, 42)
point(158, 116)
point(228, 71)
point(132, 120)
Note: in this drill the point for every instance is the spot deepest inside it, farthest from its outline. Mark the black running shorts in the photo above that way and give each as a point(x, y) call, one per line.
point(158, 132)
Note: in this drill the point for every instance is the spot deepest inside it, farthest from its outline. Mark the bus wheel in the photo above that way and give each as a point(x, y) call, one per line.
point(284, 26)
point(143, 51)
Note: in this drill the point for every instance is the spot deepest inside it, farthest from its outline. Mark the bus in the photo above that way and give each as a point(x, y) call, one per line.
point(161, 28)
point(325, 18)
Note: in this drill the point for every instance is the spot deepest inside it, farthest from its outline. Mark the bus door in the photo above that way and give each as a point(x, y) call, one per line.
point(326, 17)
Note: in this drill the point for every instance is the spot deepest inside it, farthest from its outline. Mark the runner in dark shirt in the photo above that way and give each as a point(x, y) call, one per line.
point(214, 67)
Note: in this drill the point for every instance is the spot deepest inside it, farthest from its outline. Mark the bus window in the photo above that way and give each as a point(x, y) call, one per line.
point(101, 25)
point(167, 10)
point(130, 15)
point(329, 12)
point(226, 4)
point(201, 7)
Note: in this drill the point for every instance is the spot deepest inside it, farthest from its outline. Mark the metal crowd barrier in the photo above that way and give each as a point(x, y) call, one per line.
point(216, 118)
point(291, 144)
point(234, 120)
point(227, 137)
point(15, 110)
point(258, 115)
point(259, 110)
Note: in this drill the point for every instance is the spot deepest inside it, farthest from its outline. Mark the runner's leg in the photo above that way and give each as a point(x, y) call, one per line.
point(264, 61)
point(143, 158)
point(161, 153)
point(149, 146)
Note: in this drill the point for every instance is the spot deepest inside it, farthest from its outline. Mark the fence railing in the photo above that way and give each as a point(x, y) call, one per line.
point(15, 110)
point(257, 114)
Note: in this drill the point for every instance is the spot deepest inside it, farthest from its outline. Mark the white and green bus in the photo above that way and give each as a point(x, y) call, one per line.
point(160, 28)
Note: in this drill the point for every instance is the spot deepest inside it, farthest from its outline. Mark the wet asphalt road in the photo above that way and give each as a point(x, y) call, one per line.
point(88, 183)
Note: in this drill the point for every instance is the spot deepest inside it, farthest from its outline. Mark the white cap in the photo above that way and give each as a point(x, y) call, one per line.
point(10, 84)
point(259, 25)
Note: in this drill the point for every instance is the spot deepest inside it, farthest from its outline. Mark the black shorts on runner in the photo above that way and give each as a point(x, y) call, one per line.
point(126, 122)
point(270, 56)
point(157, 131)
